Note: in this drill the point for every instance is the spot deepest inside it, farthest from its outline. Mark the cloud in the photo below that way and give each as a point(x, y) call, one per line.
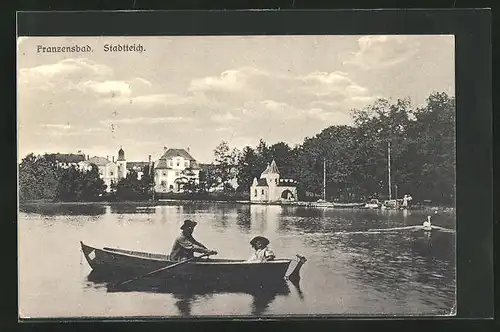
point(334, 78)
point(107, 87)
point(64, 68)
point(383, 51)
point(328, 116)
point(223, 129)
point(57, 126)
point(150, 100)
point(229, 80)
point(79, 76)
point(274, 105)
point(336, 84)
point(226, 117)
point(323, 103)
point(146, 120)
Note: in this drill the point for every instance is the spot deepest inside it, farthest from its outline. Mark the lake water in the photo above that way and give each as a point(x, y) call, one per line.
point(350, 270)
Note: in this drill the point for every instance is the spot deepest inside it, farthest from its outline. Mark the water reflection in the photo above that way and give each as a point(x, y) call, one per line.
point(133, 209)
point(404, 261)
point(401, 271)
point(265, 217)
point(243, 220)
point(186, 294)
point(64, 209)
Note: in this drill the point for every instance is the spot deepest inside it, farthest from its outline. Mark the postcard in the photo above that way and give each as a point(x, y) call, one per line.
point(228, 176)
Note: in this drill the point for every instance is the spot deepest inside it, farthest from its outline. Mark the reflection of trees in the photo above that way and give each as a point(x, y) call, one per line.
point(64, 209)
point(243, 219)
point(131, 209)
point(169, 213)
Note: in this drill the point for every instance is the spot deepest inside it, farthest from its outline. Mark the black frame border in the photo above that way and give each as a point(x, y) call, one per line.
point(473, 94)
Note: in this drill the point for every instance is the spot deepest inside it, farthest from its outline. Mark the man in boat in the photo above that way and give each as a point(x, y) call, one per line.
point(262, 252)
point(185, 245)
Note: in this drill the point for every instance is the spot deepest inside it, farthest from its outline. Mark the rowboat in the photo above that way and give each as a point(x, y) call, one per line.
point(121, 263)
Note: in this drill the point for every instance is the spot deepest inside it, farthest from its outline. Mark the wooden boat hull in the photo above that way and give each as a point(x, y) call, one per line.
point(122, 263)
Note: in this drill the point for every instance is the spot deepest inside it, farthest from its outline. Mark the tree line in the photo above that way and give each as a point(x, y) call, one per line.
point(40, 178)
point(422, 142)
point(422, 145)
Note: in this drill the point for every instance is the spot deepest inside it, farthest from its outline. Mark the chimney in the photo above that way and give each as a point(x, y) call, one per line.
point(113, 158)
point(149, 159)
point(165, 149)
point(189, 150)
point(88, 157)
point(107, 157)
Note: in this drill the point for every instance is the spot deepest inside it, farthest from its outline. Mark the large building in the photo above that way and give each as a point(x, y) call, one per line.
point(110, 171)
point(270, 188)
point(174, 169)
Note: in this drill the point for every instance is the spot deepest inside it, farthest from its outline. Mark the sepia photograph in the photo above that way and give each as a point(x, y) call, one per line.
point(231, 176)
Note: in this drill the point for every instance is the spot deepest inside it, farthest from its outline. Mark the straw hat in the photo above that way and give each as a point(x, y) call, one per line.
point(188, 223)
point(259, 238)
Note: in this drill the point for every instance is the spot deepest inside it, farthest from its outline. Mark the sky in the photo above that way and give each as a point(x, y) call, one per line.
point(195, 91)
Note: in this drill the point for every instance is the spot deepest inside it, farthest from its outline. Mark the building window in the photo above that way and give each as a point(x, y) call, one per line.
point(178, 163)
point(163, 183)
point(255, 194)
point(186, 164)
point(164, 173)
point(276, 181)
point(171, 163)
point(171, 187)
point(262, 191)
point(111, 173)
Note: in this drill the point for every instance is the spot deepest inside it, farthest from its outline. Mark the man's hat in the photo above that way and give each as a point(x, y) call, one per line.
point(189, 223)
point(259, 238)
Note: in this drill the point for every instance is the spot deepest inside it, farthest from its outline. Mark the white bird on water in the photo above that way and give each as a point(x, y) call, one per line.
point(427, 224)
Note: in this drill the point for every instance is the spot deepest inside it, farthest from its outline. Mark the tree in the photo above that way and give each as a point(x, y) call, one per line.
point(80, 185)
point(247, 169)
point(208, 178)
point(225, 162)
point(148, 180)
point(131, 188)
point(92, 186)
point(38, 178)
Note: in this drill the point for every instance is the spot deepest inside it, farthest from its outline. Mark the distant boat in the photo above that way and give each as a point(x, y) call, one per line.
point(348, 205)
point(373, 204)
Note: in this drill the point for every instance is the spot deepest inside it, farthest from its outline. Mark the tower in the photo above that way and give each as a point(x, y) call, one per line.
point(272, 176)
point(122, 164)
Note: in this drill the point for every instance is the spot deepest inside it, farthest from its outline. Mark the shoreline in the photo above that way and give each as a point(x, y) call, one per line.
point(350, 206)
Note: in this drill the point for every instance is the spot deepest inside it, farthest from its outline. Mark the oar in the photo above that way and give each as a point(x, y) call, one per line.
point(162, 269)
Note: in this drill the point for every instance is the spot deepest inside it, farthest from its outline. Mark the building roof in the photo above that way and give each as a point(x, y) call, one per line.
point(262, 183)
point(162, 164)
point(66, 157)
point(99, 161)
point(271, 169)
point(121, 155)
point(171, 153)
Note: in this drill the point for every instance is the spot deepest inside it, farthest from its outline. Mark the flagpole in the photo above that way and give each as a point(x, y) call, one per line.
point(324, 179)
point(389, 168)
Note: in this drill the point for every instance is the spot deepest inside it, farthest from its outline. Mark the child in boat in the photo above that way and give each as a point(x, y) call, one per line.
point(262, 252)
